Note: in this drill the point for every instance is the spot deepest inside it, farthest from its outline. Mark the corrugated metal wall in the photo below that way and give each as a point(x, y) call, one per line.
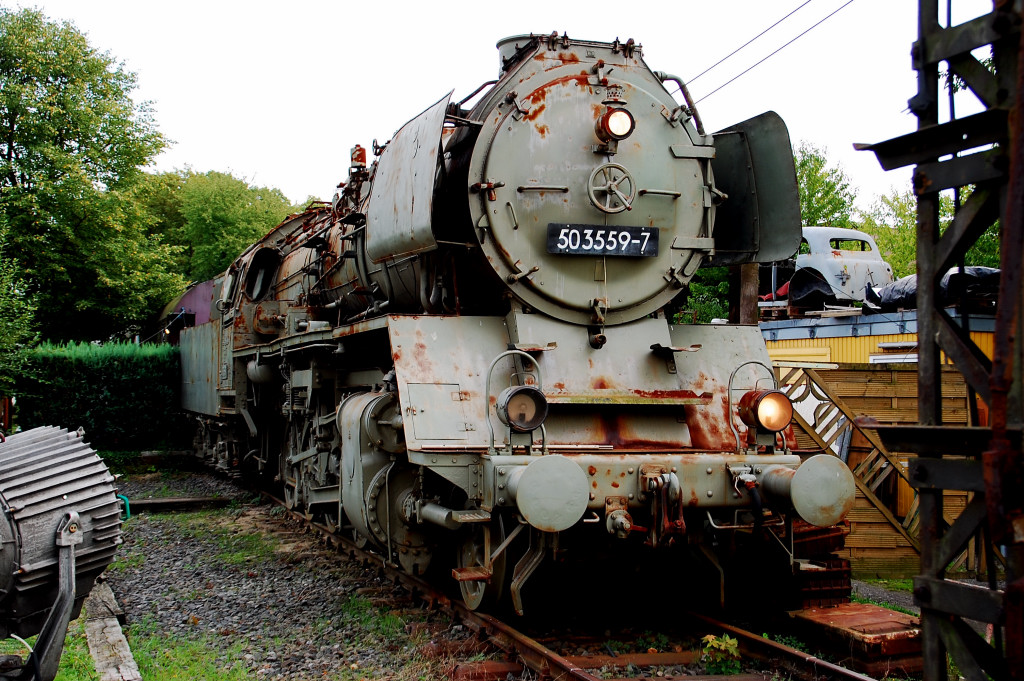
point(199, 347)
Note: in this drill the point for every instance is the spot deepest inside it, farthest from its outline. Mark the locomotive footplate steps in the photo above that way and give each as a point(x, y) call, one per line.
point(871, 639)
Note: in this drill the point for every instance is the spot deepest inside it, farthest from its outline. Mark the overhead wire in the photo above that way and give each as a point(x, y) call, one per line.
point(764, 59)
point(166, 327)
point(717, 63)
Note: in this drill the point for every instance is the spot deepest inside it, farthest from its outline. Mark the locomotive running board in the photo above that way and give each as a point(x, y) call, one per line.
point(476, 573)
point(471, 516)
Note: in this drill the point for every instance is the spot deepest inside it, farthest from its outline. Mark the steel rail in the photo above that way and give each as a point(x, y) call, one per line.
point(546, 662)
point(766, 649)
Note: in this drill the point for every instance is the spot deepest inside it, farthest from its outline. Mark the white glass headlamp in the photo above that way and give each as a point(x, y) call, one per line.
point(615, 124)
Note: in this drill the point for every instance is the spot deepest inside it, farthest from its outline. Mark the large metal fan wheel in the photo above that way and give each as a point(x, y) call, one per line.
point(471, 553)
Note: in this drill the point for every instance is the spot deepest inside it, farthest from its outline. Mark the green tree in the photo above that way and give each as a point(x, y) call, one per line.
point(72, 147)
point(826, 195)
point(160, 194)
point(892, 221)
point(222, 215)
point(707, 297)
point(17, 326)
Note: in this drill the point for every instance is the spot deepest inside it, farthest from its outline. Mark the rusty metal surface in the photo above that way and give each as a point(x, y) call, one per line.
point(624, 370)
point(866, 627)
point(455, 351)
point(400, 209)
point(521, 194)
point(721, 350)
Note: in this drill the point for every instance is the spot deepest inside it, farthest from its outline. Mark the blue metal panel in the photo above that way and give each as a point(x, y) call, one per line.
point(859, 325)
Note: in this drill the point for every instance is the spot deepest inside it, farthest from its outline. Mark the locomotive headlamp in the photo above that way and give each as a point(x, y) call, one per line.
point(615, 124)
point(522, 408)
point(768, 409)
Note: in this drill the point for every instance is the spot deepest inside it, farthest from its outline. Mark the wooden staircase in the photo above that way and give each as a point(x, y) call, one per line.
point(830, 425)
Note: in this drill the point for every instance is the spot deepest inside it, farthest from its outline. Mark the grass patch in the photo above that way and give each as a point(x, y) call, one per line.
point(239, 549)
point(172, 658)
point(125, 560)
point(125, 462)
point(906, 585)
point(377, 621)
point(885, 604)
point(76, 664)
point(788, 640)
point(236, 547)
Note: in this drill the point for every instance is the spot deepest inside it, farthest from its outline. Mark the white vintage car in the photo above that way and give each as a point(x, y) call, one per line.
point(846, 260)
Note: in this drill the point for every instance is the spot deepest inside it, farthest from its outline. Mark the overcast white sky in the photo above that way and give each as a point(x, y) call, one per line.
point(278, 92)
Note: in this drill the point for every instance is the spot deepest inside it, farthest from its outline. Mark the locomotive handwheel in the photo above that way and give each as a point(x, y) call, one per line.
point(617, 186)
point(481, 594)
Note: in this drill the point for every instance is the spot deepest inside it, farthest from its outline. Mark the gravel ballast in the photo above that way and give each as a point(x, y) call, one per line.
point(266, 595)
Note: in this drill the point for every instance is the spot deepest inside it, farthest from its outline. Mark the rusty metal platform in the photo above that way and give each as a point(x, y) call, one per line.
point(869, 638)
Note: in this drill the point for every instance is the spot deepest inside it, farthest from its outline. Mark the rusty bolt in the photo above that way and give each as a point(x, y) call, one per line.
point(73, 527)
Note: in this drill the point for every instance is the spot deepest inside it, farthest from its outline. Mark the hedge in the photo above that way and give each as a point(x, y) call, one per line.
point(125, 396)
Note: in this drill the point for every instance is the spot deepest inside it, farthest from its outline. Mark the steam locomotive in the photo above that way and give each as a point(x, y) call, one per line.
point(469, 355)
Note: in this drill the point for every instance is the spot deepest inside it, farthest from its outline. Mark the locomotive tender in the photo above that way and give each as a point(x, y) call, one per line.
point(469, 354)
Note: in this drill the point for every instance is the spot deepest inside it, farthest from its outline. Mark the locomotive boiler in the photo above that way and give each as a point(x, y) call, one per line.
point(469, 356)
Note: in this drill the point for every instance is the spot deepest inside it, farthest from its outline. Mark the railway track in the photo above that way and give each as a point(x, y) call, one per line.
point(547, 663)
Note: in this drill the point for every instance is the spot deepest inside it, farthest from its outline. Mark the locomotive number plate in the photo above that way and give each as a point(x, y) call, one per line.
point(599, 240)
